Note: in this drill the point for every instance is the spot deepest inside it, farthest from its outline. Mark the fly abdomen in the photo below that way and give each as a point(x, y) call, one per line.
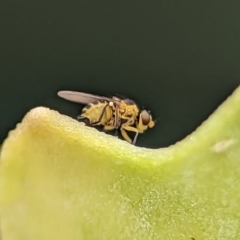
point(97, 113)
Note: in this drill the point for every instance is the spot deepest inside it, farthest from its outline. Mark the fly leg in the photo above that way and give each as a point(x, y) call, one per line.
point(116, 133)
point(108, 127)
point(135, 138)
point(127, 127)
point(111, 127)
point(125, 135)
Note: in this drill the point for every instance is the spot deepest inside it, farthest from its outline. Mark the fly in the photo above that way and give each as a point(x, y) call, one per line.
point(112, 113)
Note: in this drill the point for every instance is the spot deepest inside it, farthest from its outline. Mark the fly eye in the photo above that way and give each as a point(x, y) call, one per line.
point(146, 117)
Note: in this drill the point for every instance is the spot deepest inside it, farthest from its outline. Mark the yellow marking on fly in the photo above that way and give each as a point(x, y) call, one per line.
point(112, 113)
point(93, 112)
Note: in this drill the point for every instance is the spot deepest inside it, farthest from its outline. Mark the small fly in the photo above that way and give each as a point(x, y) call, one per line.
point(112, 113)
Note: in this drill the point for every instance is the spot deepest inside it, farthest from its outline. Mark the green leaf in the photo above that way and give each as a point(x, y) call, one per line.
point(63, 180)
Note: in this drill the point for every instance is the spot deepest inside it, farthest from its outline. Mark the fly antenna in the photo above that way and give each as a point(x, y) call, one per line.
point(157, 119)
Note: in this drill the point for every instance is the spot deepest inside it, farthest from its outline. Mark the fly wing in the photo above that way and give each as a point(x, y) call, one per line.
point(81, 97)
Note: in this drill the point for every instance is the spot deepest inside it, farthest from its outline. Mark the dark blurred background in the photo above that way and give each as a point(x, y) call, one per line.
point(180, 59)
